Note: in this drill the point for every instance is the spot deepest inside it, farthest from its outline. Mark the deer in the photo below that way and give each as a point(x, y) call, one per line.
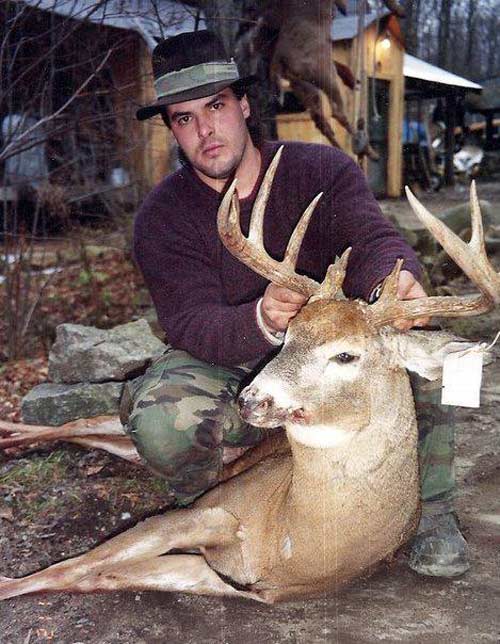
point(338, 490)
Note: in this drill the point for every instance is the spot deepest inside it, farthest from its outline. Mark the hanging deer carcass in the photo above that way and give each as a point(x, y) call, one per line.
point(297, 38)
point(345, 495)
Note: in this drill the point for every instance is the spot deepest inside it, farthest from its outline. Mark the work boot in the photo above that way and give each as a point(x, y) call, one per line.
point(439, 549)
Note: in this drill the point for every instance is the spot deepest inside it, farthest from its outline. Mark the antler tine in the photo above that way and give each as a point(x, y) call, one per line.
point(476, 242)
point(256, 229)
point(293, 248)
point(388, 304)
point(390, 287)
point(228, 223)
point(334, 278)
point(251, 250)
point(471, 257)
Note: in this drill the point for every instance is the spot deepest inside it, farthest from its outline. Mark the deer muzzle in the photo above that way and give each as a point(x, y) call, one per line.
point(259, 408)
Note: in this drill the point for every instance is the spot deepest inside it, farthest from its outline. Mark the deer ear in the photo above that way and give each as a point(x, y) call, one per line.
point(423, 351)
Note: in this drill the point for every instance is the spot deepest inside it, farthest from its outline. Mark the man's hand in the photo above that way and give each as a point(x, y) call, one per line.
point(279, 306)
point(409, 289)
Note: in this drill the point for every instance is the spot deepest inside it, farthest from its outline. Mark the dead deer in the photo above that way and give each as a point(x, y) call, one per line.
point(345, 494)
point(299, 35)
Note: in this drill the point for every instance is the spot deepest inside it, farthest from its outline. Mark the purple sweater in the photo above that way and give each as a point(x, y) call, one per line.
point(206, 299)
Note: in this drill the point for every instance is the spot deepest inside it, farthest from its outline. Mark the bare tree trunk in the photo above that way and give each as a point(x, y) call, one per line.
point(470, 35)
point(444, 32)
point(493, 44)
point(410, 25)
point(223, 17)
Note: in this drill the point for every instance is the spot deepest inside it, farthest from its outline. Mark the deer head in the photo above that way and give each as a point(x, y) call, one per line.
point(342, 360)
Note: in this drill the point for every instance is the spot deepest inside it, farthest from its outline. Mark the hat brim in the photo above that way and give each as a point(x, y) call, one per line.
point(196, 92)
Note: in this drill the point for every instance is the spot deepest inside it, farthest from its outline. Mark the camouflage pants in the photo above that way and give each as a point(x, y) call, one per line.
point(182, 413)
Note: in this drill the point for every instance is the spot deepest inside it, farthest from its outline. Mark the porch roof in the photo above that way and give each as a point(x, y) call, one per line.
point(415, 68)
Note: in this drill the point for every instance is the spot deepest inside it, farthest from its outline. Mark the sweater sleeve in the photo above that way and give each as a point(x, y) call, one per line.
point(358, 222)
point(188, 296)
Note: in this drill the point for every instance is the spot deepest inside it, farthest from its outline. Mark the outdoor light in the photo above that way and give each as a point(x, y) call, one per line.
point(385, 43)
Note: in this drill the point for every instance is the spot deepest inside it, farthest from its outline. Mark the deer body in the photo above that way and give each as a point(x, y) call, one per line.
point(345, 495)
point(353, 502)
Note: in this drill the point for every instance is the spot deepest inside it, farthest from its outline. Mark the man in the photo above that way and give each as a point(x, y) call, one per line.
point(221, 318)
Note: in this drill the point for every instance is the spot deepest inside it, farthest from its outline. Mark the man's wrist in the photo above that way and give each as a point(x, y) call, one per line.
point(375, 293)
point(273, 337)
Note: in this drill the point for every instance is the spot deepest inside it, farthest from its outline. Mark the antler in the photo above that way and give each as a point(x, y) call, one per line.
point(251, 250)
point(471, 258)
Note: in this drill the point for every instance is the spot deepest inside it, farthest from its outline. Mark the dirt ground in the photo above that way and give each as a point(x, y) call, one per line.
point(57, 502)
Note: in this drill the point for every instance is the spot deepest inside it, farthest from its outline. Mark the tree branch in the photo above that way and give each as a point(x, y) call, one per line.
point(52, 116)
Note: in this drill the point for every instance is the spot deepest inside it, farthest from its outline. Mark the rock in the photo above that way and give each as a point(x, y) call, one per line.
point(86, 354)
point(458, 217)
point(55, 404)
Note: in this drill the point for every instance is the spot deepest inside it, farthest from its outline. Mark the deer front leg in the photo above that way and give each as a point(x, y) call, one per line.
point(310, 97)
point(327, 79)
point(148, 540)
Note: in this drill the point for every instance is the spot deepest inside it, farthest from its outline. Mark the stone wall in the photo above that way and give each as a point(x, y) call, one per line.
point(88, 368)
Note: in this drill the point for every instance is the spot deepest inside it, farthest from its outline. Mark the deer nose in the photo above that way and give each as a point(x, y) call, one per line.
point(251, 403)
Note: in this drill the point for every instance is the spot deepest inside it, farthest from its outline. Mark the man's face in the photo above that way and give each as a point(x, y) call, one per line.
point(212, 132)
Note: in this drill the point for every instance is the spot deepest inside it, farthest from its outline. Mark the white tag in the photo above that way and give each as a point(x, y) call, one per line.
point(462, 375)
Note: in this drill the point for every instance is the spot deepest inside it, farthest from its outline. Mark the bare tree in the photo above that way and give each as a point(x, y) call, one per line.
point(56, 117)
point(466, 28)
point(470, 29)
point(444, 32)
point(493, 57)
point(411, 24)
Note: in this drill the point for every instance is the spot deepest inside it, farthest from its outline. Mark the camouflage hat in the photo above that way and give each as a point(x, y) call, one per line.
point(189, 66)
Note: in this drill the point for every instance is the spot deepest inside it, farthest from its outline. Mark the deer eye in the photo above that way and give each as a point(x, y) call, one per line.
point(344, 358)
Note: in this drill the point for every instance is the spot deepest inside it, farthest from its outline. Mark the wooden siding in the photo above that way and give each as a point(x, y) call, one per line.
point(148, 142)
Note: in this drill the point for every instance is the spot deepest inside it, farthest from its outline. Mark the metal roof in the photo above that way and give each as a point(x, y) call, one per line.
point(419, 69)
point(346, 27)
point(135, 15)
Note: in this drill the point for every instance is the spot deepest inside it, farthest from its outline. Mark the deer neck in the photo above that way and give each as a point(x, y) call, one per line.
point(378, 446)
